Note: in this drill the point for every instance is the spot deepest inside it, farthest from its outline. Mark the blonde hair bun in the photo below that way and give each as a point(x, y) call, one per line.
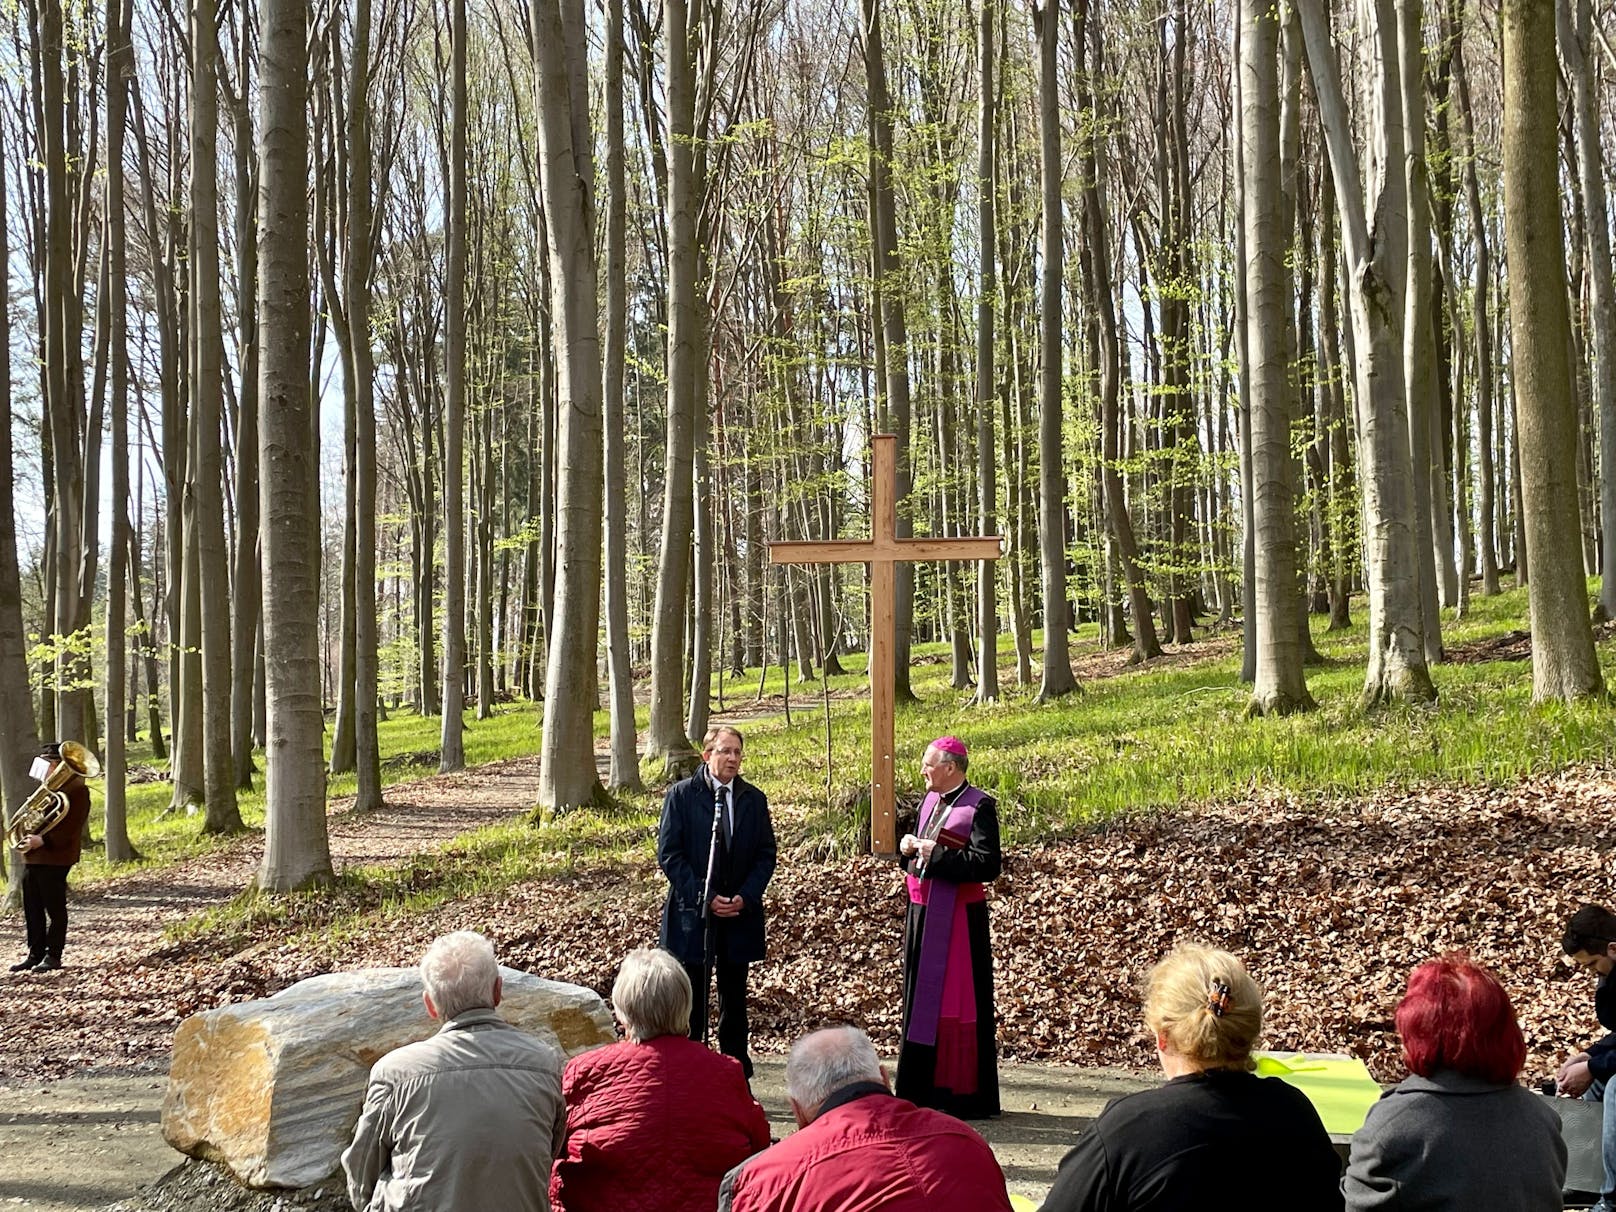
point(1204, 1002)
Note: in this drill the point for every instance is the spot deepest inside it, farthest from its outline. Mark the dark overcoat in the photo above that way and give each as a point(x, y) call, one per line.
point(683, 841)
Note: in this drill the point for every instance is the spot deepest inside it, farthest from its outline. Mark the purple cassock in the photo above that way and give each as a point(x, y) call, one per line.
point(948, 1058)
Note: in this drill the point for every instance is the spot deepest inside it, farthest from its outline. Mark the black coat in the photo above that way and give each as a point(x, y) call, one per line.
point(683, 840)
point(1217, 1139)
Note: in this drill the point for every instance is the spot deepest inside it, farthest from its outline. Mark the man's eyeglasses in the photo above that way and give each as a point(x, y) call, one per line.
point(725, 751)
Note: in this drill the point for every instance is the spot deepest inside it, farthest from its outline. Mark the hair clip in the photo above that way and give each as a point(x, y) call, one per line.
point(1217, 1000)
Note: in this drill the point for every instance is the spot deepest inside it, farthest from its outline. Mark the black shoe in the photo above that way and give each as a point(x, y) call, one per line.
point(49, 964)
point(31, 962)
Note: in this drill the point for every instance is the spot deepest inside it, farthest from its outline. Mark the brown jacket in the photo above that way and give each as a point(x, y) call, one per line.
point(64, 842)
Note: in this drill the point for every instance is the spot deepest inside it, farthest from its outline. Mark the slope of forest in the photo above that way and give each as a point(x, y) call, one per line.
point(1430, 830)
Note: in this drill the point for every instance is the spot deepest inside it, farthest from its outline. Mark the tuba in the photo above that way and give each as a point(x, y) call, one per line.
point(44, 809)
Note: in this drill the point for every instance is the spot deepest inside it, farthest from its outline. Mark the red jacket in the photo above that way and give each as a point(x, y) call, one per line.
point(653, 1127)
point(871, 1152)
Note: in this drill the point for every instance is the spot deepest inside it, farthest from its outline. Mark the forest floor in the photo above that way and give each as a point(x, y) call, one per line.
point(1330, 898)
point(1330, 903)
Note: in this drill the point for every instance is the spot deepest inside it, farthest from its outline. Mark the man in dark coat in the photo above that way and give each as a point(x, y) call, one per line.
point(47, 858)
point(744, 861)
point(948, 1056)
point(1590, 942)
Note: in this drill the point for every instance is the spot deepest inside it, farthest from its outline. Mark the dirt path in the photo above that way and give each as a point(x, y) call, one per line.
point(116, 931)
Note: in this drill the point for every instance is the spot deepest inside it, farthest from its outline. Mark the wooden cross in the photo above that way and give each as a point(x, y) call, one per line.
point(883, 551)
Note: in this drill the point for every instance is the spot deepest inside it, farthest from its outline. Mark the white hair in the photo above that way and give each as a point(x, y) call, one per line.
point(652, 995)
point(460, 972)
point(824, 1062)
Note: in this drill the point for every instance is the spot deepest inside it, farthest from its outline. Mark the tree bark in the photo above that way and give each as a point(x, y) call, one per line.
point(666, 739)
point(624, 772)
point(205, 483)
point(119, 59)
point(1575, 30)
point(19, 733)
point(247, 594)
point(1279, 686)
point(452, 745)
point(1376, 262)
point(894, 324)
point(987, 619)
point(1564, 665)
point(296, 848)
point(1057, 676)
point(567, 775)
point(357, 267)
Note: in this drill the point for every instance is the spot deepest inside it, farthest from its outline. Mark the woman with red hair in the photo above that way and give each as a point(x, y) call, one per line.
point(1458, 1132)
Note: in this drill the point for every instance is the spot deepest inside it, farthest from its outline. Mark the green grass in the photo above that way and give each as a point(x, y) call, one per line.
point(368, 898)
point(1145, 740)
point(1153, 738)
point(409, 749)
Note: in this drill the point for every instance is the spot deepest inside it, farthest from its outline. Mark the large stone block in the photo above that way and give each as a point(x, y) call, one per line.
point(272, 1088)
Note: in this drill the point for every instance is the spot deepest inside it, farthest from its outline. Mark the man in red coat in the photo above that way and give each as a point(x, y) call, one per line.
point(860, 1149)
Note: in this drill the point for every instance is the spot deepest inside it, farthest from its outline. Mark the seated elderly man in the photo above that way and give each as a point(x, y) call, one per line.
point(467, 1119)
point(653, 1122)
point(860, 1149)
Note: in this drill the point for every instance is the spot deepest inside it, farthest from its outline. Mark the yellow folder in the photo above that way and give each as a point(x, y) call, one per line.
point(1339, 1087)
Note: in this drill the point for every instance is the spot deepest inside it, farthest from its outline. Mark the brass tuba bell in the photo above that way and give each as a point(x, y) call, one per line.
point(44, 809)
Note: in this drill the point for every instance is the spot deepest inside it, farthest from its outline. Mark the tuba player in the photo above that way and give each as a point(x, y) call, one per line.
point(47, 858)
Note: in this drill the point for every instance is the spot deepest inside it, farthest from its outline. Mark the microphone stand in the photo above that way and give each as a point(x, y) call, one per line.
point(709, 943)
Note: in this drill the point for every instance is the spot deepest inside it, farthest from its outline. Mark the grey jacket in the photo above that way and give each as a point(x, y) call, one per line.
point(466, 1120)
point(1454, 1142)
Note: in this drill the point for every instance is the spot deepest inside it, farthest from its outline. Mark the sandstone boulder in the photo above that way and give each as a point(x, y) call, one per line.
point(272, 1088)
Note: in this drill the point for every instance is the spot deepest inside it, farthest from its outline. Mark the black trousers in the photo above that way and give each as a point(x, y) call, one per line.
point(732, 1025)
point(44, 908)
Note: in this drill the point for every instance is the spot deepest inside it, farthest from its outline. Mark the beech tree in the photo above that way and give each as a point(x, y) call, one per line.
point(1563, 662)
point(297, 852)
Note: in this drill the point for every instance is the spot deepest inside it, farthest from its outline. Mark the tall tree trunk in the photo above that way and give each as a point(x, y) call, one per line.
point(206, 485)
point(61, 327)
point(567, 774)
point(666, 739)
point(1575, 30)
point(452, 753)
point(894, 325)
point(1102, 300)
point(297, 852)
point(1487, 536)
point(1279, 686)
point(119, 59)
point(1419, 331)
point(247, 595)
point(1376, 255)
point(1057, 678)
point(357, 273)
point(624, 772)
point(19, 734)
point(987, 620)
point(1564, 665)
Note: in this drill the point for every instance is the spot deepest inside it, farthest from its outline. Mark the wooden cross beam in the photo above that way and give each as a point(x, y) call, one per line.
point(883, 551)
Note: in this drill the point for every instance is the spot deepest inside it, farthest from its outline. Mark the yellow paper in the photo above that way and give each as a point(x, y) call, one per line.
point(1339, 1087)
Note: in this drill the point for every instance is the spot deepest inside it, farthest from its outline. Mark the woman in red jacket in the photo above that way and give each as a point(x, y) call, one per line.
point(654, 1122)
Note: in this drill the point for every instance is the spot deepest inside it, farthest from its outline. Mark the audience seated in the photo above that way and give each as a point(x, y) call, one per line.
point(654, 1122)
point(1458, 1132)
point(1216, 1135)
point(860, 1149)
point(468, 1119)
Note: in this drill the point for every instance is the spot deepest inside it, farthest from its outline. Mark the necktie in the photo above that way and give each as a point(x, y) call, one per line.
point(729, 817)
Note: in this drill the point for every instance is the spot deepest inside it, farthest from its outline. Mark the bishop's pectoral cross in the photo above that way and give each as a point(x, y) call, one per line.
point(883, 551)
